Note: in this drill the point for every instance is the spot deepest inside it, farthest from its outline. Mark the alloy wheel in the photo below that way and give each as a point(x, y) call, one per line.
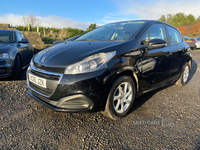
point(186, 74)
point(122, 97)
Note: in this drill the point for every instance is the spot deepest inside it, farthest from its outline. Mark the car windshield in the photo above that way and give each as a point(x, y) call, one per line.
point(7, 37)
point(121, 31)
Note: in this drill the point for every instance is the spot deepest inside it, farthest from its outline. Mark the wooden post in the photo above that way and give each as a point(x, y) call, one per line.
point(44, 31)
point(37, 29)
point(29, 27)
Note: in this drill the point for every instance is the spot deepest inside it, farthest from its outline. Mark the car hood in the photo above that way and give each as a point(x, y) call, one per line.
point(64, 54)
point(6, 47)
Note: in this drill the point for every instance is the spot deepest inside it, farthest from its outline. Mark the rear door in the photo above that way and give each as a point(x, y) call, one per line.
point(156, 63)
point(178, 50)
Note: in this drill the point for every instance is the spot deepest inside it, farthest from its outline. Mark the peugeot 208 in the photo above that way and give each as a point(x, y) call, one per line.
point(108, 67)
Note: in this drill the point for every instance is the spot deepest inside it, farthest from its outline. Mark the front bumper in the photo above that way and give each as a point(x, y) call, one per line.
point(74, 103)
point(6, 68)
point(70, 93)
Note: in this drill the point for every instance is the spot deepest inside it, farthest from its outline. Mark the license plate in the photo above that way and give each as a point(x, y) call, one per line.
point(188, 41)
point(37, 80)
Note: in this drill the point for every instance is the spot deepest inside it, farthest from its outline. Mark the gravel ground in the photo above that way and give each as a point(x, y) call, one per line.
point(168, 118)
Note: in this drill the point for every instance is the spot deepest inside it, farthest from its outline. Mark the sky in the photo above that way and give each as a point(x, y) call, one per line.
point(81, 13)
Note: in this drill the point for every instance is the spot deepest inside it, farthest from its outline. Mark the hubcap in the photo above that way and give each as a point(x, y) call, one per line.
point(186, 74)
point(122, 97)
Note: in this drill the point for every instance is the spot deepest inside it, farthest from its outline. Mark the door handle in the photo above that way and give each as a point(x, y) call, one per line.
point(168, 54)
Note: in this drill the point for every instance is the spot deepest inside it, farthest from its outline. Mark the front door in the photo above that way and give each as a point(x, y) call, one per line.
point(156, 63)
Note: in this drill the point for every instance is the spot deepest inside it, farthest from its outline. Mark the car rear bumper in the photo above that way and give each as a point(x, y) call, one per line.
point(191, 44)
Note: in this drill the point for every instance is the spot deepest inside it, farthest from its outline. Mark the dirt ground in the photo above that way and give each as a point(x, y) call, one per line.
point(168, 118)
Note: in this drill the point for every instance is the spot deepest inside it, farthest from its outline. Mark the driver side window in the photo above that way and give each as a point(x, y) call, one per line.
point(157, 31)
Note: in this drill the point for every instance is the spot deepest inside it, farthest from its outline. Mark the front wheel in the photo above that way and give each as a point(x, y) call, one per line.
point(120, 98)
point(17, 69)
point(184, 76)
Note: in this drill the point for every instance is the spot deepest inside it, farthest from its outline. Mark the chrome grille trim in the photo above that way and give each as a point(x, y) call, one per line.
point(43, 72)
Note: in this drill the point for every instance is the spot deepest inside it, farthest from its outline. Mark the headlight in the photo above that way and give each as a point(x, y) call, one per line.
point(4, 56)
point(90, 64)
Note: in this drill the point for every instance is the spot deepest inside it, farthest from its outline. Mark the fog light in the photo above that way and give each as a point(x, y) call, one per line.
point(78, 101)
point(3, 71)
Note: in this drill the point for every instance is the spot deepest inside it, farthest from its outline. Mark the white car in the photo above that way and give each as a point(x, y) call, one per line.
point(197, 39)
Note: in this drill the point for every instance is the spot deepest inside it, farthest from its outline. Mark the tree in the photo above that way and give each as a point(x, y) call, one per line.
point(92, 26)
point(183, 29)
point(162, 18)
point(31, 19)
point(198, 19)
point(179, 19)
point(190, 19)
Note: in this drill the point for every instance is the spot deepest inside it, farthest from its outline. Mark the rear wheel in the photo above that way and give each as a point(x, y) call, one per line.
point(17, 69)
point(120, 98)
point(184, 76)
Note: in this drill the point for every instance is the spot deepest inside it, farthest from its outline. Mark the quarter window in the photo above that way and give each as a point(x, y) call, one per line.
point(144, 39)
point(157, 31)
point(19, 37)
point(174, 36)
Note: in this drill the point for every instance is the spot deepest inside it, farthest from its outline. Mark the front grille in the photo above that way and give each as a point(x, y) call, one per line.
point(45, 91)
point(51, 82)
point(40, 97)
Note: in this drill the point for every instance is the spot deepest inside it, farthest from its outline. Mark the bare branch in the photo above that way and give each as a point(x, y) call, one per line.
point(31, 19)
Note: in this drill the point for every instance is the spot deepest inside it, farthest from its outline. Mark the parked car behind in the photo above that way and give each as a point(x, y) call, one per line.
point(15, 53)
point(197, 39)
point(107, 68)
point(70, 39)
point(191, 42)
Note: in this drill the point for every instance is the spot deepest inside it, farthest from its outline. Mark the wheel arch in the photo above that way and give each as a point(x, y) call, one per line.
point(130, 71)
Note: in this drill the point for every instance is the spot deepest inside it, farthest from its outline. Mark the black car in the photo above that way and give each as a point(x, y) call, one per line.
point(108, 67)
point(191, 42)
point(15, 53)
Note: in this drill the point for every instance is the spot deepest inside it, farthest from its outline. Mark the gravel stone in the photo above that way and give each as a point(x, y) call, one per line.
point(168, 118)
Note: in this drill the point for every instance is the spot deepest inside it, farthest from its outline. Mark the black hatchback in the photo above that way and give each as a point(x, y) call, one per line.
point(108, 67)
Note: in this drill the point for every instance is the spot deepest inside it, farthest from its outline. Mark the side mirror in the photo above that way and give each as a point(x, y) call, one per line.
point(157, 43)
point(24, 41)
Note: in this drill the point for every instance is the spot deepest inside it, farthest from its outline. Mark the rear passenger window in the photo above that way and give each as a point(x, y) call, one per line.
point(174, 36)
point(157, 31)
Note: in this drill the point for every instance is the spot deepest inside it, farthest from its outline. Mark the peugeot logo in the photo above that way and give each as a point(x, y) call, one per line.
point(43, 59)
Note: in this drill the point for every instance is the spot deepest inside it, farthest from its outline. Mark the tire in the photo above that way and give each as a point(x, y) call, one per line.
point(184, 76)
point(17, 69)
point(114, 107)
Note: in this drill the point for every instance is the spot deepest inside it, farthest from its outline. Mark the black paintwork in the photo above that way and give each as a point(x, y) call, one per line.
point(21, 48)
point(150, 68)
point(70, 39)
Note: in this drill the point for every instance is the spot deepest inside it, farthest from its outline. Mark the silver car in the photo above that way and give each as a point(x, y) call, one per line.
point(197, 39)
